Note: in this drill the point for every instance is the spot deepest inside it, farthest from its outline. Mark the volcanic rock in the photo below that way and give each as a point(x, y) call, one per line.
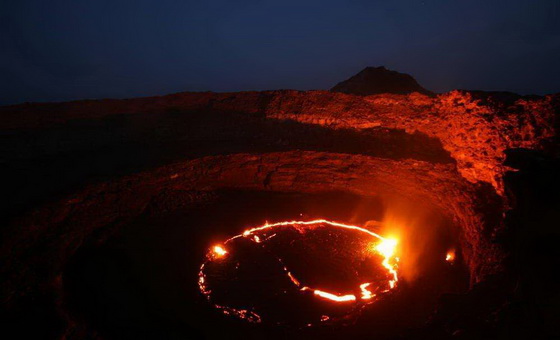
point(375, 80)
point(80, 170)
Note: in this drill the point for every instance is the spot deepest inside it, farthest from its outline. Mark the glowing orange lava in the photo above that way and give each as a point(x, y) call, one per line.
point(330, 296)
point(450, 256)
point(366, 294)
point(219, 251)
point(384, 247)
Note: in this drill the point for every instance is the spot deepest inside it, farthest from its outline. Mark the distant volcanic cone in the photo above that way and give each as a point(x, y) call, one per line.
point(375, 80)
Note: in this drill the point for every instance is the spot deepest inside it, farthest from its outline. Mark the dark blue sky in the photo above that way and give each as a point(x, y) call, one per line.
point(71, 49)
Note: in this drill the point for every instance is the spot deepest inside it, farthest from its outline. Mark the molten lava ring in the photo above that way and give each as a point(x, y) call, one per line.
point(299, 273)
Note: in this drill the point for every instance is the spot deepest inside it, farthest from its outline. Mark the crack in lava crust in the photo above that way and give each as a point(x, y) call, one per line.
point(370, 257)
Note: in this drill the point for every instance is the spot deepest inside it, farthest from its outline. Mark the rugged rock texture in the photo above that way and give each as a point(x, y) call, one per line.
point(378, 80)
point(445, 152)
point(475, 129)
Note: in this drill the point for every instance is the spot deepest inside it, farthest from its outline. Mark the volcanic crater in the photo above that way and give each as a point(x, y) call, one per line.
point(114, 205)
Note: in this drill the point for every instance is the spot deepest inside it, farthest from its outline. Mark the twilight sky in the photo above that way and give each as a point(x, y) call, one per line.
point(60, 50)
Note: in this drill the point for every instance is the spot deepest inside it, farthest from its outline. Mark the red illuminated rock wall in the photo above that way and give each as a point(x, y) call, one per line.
point(475, 128)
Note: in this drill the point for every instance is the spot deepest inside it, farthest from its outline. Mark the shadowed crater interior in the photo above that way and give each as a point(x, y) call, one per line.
point(143, 279)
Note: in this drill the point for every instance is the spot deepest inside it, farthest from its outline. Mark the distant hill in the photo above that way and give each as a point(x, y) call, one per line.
point(375, 80)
